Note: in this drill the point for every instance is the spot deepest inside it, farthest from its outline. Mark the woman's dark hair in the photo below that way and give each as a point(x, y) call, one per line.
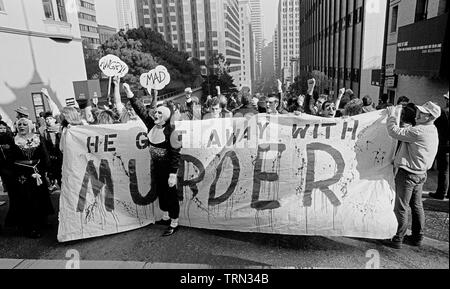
point(367, 100)
point(402, 99)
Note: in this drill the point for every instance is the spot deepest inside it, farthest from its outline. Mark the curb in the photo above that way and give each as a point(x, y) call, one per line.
point(70, 264)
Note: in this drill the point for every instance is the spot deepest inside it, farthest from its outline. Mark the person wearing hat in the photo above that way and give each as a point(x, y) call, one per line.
point(21, 112)
point(442, 159)
point(165, 159)
point(415, 156)
point(51, 134)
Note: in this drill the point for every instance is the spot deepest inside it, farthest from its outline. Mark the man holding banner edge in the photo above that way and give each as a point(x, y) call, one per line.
point(418, 149)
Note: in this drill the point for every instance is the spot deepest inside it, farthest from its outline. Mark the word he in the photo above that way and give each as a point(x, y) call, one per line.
point(95, 143)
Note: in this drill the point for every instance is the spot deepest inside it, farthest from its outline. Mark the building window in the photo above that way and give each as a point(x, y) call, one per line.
point(48, 9)
point(394, 19)
point(38, 103)
point(421, 10)
point(61, 10)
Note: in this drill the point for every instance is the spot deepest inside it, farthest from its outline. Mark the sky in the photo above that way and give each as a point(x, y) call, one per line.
point(106, 13)
point(270, 11)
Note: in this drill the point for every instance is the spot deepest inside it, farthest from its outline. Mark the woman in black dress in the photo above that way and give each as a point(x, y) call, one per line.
point(30, 206)
point(165, 160)
point(6, 144)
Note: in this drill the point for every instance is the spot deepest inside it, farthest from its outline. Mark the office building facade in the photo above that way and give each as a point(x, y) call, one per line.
point(417, 64)
point(257, 26)
point(343, 40)
point(202, 28)
point(126, 14)
point(247, 46)
point(276, 51)
point(105, 33)
point(289, 40)
point(88, 24)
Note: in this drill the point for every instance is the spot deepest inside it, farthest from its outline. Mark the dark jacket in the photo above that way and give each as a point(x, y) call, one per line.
point(173, 153)
point(246, 110)
point(6, 146)
point(442, 126)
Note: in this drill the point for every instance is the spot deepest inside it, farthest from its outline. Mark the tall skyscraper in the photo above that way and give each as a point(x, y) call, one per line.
point(88, 24)
point(247, 46)
point(289, 39)
point(127, 14)
point(276, 52)
point(257, 26)
point(202, 28)
point(343, 39)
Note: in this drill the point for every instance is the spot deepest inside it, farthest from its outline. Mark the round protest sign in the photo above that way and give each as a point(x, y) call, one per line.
point(111, 66)
point(156, 79)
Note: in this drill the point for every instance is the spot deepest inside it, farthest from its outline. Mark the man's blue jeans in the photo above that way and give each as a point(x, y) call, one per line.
point(408, 189)
point(442, 160)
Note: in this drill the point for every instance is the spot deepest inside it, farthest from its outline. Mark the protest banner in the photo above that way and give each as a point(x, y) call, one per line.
point(268, 174)
point(156, 79)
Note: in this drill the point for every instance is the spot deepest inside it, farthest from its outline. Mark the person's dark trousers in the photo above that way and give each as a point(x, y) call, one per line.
point(168, 197)
point(408, 189)
point(442, 160)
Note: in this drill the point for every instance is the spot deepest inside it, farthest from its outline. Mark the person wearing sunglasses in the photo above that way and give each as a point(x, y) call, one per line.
point(328, 109)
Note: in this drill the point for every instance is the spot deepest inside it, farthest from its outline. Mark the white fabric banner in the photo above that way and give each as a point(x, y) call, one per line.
point(269, 174)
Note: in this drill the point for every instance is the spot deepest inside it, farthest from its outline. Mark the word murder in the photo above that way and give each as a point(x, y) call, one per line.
point(103, 179)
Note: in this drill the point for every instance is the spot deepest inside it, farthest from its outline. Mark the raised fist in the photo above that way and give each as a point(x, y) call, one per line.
point(128, 91)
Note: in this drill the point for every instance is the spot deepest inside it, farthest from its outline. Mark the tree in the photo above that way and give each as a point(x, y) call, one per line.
point(183, 69)
point(221, 77)
point(130, 52)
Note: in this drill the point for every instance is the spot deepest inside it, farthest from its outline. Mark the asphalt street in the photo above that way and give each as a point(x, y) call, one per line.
point(224, 248)
point(219, 248)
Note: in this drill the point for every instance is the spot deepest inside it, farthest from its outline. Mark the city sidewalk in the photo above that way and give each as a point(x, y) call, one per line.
point(61, 264)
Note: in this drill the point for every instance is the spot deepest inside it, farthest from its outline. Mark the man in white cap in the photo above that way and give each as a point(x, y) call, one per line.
point(442, 158)
point(415, 156)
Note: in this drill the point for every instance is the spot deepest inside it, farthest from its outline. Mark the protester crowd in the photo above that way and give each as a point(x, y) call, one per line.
point(31, 153)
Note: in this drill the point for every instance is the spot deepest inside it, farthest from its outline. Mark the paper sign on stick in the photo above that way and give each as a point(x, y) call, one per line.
point(111, 66)
point(156, 79)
